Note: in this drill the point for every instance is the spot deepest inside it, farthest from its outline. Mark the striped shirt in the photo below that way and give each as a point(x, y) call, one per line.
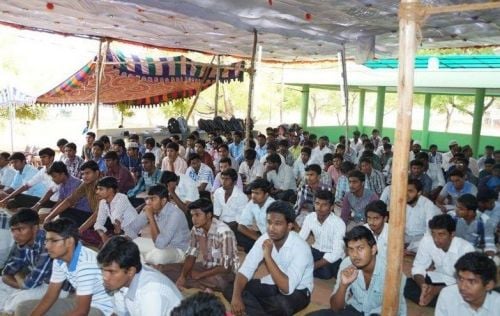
point(356, 205)
point(204, 175)
point(305, 197)
point(84, 274)
point(118, 209)
point(342, 188)
point(173, 226)
point(375, 181)
point(328, 236)
point(217, 247)
point(472, 232)
point(34, 258)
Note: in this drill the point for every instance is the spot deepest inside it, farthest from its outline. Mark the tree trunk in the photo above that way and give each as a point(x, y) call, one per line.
point(449, 112)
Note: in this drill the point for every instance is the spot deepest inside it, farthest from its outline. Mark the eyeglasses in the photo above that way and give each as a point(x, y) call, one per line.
point(52, 241)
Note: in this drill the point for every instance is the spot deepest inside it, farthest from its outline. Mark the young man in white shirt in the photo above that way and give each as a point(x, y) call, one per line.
point(78, 265)
point(137, 289)
point(254, 213)
point(288, 286)
point(441, 249)
point(328, 230)
point(251, 169)
point(114, 206)
point(473, 294)
point(281, 176)
point(376, 220)
point(167, 225)
point(419, 211)
point(201, 174)
point(229, 200)
point(359, 289)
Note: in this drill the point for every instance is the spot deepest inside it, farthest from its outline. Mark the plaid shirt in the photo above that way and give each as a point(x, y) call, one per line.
point(342, 188)
point(218, 246)
point(305, 197)
point(375, 181)
point(145, 182)
point(74, 166)
point(35, 258)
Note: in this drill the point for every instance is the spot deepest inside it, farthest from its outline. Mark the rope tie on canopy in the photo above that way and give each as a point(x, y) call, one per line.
point(414, 11)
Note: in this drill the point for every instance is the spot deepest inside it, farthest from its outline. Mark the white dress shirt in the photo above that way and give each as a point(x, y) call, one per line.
point(229, 211)
point(451, 303)
point(317, 155)
point(187, 190)
point(444, 262)
point(253, 213)
point(149, 293)
point(294, 259)
point(253, 173)
point(417, 218)
point(436, 174)
point(283, 179)
point(119, 209)
point(328, 236)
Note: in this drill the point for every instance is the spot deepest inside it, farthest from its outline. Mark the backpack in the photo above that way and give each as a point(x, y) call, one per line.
point(183, 125)
point(173, 126)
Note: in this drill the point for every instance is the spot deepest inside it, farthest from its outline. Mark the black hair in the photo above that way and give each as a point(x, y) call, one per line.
point(284, 208)
point(456, 173)
point(150, 141)
point(64, 227)
point(366, 160)
point(5, 155)
point(416, 183)
point(159, 190)
point(433, 146)
point(70, 146)
point(218, 140)
point(99, 144)
point(230, 172)
point(283, 143)
point(356, 174)
point(489, 161)
point(274, 158)
point(204, 205)
point(122, 251)
point(479, 264)
point(201, 142)
point(327, 157)
point(173, 146)
point(223, 146)
point(250, 154)
point(387, 146)
point(469, 201)
point(24, 216)
point(225, 160)
point(92, 165)
point(47, 152)
point(486, 195)
point(108, 182)
point(358, 233)
point(164, 142)
point(58, 167)
point(251, 144)
point(443, 221)
point(417, 163)
point(489, 147)
point(422, 156)
point(325, 195)
point(346, 167)
point(315, 168)
point(112, 155)
point(168, 176)
point(261, 184)
point(201, 303)
point(378, 207)
point(62, 142)
point(91, 134)
point(120, 142)
point(238, 133)
point(134, 137)
point(338, 156)
point(306, 150)
point(193, 156)
point(149, 156)
point(104, 139)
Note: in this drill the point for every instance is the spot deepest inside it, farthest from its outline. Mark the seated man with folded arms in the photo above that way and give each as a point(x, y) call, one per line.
point(28, 267)
point(477, 228)
point(150, 176)
point(229, 200)
point(215, 242)
point(78, 265)
point(168, 227)
point(115, 207)
point(328, 230)
point(441, 249)
point(473, 294)
point(254, 212)
point(86, 190)
point(376, 221)
point(137, 289)
point(67, 184)
point(287, 288)
point(20, 193)
point(181, 191)
point(359, 289)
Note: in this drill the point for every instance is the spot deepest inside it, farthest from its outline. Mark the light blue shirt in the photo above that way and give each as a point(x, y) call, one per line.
point(237, 151)
point(23, 176)
point(293, 259)
point(369, 301)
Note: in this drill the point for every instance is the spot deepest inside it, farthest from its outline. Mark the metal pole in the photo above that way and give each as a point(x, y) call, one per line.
point(379, 118)
point(217, 78)
point(407, 49)
point(252, 73)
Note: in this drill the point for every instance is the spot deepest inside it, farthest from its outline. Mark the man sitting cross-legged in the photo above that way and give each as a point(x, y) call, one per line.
point(137, 289)
point(168, 227)
point(28, 267)
point(328, 231)
point(78, 265)
point(288, 286)
point(359, 289)
point(215, 241)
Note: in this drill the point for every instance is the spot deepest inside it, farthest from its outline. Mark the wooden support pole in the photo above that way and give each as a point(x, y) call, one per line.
point(217, 79)
point(251, 91)
point(99, 72)
point(361, 113)
point(205, 77)
point(407, 47)
point(379, 114)
point(477, 119)
point(427, 117)
point(304, 110)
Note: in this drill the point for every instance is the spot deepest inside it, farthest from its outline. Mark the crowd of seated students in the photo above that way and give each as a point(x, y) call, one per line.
point(126, 226)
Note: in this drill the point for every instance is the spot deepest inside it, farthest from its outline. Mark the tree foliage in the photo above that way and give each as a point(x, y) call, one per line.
point(25, 112)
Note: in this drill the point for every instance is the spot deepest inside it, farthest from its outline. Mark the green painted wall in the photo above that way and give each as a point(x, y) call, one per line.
point(441, 139)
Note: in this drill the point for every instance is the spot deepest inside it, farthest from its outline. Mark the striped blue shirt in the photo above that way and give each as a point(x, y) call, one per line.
point(84, 274)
